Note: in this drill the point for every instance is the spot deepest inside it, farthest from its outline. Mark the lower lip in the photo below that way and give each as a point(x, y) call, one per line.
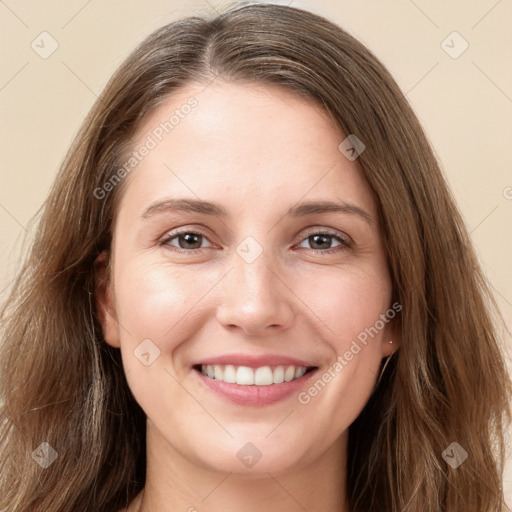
point(255, 395)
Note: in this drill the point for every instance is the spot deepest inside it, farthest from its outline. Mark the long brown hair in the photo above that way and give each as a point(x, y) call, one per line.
point(61, 384)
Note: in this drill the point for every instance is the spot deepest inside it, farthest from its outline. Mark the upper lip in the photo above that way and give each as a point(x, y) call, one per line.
point(255, 361)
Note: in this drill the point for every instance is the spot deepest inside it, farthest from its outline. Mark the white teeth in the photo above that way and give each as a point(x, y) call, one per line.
point(229, 374)
point(289, 374)
point(246, 376)
point(299, 372)
point(263, 376)
point(279, 375)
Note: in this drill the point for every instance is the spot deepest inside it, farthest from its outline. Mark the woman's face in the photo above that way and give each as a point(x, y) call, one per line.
point(251, 285)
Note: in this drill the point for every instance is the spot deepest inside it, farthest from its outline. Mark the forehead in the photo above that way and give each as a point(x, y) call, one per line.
point(257, 141)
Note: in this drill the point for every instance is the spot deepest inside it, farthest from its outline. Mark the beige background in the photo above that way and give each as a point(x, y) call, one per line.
point(464, 103)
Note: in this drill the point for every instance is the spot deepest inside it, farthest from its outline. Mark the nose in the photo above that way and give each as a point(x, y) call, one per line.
point(256, 299)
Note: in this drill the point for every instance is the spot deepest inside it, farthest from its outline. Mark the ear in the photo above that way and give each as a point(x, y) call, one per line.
point(104, 299)
point(392, 339)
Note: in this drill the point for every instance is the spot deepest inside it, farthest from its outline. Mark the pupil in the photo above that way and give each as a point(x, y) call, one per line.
point(188, 239)
point(324, 237)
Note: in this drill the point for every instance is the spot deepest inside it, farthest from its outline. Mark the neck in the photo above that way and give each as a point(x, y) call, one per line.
point(173, 482)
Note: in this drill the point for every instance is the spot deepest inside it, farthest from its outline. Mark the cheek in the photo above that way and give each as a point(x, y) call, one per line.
point(166, 304)
point(163, 302)
point(350, 308)
point(332, 307)
point(156, 306)
point(349, 302)
point(154, 300)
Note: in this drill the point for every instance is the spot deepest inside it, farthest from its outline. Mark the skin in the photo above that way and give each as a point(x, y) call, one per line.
point(256, 150)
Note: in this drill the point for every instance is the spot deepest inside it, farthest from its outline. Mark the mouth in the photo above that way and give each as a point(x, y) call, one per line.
point(253, 386)
point(249, 376)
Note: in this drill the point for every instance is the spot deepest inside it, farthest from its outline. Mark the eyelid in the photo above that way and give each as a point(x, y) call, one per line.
point(179, 231)
point(346, 241)
point(316, 230)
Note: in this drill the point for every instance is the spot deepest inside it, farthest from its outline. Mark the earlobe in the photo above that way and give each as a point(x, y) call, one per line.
point(104, 300)
point(390, 346)
point(391, 341)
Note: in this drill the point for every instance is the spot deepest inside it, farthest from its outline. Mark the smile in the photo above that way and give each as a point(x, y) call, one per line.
point(254, 387)
point(247, 376)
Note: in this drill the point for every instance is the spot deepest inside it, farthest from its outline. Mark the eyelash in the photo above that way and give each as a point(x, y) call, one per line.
point(344, 242)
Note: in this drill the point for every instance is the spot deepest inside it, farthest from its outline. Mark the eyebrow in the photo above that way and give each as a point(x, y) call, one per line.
point(209, 208)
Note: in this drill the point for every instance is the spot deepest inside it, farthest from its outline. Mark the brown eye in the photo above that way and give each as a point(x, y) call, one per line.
point(187, 241)
point(322, 241)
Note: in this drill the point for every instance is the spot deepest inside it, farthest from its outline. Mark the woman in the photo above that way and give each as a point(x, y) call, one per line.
point(325, 344)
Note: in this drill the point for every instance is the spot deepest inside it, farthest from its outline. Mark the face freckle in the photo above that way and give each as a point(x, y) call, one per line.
point(246, 231)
